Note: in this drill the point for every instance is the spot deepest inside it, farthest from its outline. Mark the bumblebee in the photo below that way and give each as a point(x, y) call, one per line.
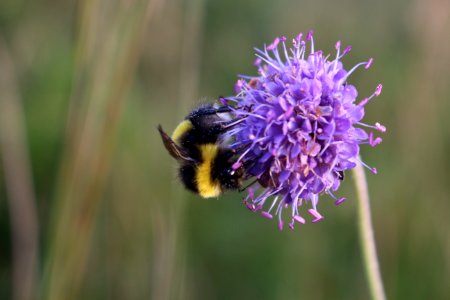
point(205, 162)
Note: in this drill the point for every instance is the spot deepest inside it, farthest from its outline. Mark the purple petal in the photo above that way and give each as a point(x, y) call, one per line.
point(284, 175)
point(342, 125)
point(349, 94)
point(347, 150)
point(295, 151)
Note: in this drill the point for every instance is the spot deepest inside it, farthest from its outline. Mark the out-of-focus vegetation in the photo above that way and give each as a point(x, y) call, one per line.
point(84, 85)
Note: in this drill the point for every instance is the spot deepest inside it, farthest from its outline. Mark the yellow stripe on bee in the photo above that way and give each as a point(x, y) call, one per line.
point(181, 129)
point(207, 187)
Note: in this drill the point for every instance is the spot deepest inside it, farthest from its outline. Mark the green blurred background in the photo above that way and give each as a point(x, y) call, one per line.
point(90, 207)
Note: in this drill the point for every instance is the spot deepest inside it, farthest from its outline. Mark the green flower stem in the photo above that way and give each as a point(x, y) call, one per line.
point(367, 237)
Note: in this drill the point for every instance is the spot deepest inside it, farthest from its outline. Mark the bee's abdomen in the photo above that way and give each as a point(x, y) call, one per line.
point(188, 177)
point(207, 185)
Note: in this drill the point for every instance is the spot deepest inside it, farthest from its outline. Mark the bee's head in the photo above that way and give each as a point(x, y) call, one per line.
point(231, 178)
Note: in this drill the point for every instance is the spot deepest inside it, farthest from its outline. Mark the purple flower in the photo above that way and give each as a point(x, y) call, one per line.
point(301, 127)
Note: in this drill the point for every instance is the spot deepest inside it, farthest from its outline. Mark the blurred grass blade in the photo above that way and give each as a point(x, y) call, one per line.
point(169, 259)
point(109, 46)
point(19, 183)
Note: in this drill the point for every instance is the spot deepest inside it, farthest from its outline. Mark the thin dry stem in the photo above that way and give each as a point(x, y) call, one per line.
point(367, 238)
point(19, 183)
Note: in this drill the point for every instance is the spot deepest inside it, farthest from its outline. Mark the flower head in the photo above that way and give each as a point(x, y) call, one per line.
point(301, 127)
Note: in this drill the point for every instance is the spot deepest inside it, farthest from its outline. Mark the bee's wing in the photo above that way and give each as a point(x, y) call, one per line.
point(174, 150)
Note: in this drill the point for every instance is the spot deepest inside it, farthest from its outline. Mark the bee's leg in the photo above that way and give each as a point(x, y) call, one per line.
point(215, 110)
point(226, 153)
point(222, 126)
point(211, 110)
point(223, 109)
point(238, 149)
point(231, 152)
point(247, 186)
point(229, 124)
point(208, 110)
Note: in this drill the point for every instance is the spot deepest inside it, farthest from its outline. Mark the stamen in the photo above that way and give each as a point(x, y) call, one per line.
point(302, 51)
point(273, 203)
point(248, 77)
point(364, 101)
point(316, 215)
point(299, 219)
point(263, 53)
point(380, 127)
point(369, 63)
point(238, 85)
point(266, 215)
point(377, 126)
point(236, 165)
point(375, 94)
point(274, 44)
point(373, 170)
point(377, 141)
point(255, 115)
point(373, 142)
point(309, 37)
point(263, 197)
point(337, 201)
point(340, 201)
point(378, 90)
point(314, 200)
point(352, 70)
point(277, 56)
point(338, 51)
point(280, 213)
point(347, 50)
point(223, 101)
point(338, 47)
point(279, 208)
point(269, 62)
point(280, 224)
point(298, 40)
point(234, 123)
point(251, 193)
point(283, 39)
point(291, 225)
point(250, 206)
point(293, 206)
